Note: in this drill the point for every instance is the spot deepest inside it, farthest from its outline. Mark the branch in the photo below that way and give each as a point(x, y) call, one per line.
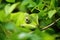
point(51, 24)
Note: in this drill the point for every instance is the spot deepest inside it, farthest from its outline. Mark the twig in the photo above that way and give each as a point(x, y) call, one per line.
point(50, 24)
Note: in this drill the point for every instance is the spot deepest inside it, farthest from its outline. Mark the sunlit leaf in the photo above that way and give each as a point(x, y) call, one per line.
point(51, 13)
point(9, 8)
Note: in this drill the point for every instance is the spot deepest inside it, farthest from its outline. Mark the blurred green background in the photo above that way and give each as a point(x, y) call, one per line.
point(29, 19)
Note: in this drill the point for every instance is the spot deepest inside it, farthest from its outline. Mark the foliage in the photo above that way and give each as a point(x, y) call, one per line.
point(29, 19)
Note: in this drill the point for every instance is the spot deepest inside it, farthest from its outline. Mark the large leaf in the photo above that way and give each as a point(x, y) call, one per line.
point(12, 7)
point(9, 8)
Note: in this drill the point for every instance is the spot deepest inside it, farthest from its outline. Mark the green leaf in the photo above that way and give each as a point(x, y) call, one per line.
point(23, 5)
point(52, 4)
point(23, 36)
point(42, 13)
point(12, 1)
point(12, 7)
point(9, 8)
point(10, 26)
point(51, 13)
point(40, 5)
point(32, 4)
point(43, 35)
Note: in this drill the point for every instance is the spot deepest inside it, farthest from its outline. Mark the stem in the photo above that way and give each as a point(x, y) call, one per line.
point(50, 24)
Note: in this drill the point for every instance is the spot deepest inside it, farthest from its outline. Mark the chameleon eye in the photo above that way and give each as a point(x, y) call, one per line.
point(27, 21)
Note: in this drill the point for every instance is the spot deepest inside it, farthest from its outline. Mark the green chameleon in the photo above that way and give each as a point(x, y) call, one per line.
point(24, 19)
